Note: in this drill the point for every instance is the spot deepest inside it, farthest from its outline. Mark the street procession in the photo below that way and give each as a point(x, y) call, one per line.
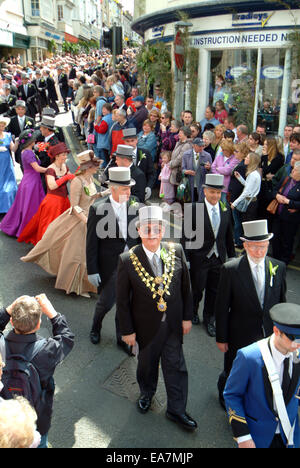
point(149, 229)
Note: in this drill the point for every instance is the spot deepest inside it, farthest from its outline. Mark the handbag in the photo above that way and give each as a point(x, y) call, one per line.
point(178, 176)
point(91, 139)
point(273, 205)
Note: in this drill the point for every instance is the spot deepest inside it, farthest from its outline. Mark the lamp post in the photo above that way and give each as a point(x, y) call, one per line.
point(178, 73)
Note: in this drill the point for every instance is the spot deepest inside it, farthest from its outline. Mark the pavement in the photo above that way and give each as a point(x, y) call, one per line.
point(90, 410)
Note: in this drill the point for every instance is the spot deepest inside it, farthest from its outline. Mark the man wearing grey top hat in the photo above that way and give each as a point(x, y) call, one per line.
point(249, 287)
point(196, 164)
point(108, 235)
point(206, 261)
point(124, 158)
point(154, 307)
point(18, 123)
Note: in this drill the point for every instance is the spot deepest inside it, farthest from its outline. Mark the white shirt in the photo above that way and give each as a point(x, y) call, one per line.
point(47, 138)
point(21, 121)
point(120, 210)
point(151, 254)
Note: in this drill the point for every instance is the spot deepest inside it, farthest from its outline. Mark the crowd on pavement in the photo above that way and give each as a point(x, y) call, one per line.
point(248, 183)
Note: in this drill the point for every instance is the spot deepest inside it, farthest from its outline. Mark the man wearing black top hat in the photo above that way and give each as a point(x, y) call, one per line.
point(41, 86)
point(52, 94)
point(262, 392)
point(249, 287)
point(206, 261)
point(63, 85)
point(109, 233)
point(124, 157)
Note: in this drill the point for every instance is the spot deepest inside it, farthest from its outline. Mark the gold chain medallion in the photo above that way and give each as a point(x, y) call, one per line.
point(162, 282)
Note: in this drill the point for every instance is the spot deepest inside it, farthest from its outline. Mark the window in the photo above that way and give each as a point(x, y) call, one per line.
point(35, 7)
point(60, 12)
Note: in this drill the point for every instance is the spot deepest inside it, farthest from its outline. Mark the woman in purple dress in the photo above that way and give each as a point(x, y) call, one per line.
point(30, 192)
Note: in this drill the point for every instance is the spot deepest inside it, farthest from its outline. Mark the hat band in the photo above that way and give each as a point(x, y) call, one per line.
point(120, 182)
point(257, 238)
point(213, 186)
point(292, 329)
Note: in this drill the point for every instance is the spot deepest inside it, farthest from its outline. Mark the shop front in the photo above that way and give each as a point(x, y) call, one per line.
point(247, 59)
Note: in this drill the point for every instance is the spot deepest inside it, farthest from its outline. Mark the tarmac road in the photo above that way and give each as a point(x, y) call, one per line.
point(87, 415)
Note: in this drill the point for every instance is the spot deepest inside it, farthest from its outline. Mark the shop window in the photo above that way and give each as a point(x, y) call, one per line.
point(294, 90)
point(35, 7)
point(232, 81)
point(270, 89)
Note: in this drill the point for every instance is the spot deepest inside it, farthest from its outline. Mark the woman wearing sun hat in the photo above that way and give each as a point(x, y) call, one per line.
point(62, 250)
point(8, 183)
point(30, 192)
point(56, 201)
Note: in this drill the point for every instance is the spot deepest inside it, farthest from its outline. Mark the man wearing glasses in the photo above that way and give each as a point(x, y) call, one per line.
point(249, 286)
point(154, 309)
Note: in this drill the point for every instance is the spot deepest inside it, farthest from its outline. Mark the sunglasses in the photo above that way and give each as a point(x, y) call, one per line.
point(293, 337)
point(147, 229)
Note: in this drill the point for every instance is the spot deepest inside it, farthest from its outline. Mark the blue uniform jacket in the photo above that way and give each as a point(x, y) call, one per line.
point(249, 399)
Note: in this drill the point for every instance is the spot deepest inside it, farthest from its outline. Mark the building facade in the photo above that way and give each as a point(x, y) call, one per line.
point(14, 39)
point(239, 40)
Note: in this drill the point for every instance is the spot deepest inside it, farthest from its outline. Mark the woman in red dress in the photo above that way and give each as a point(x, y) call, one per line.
point(56, 201)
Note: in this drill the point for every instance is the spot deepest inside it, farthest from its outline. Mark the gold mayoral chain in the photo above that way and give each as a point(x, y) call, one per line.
point(161, 282)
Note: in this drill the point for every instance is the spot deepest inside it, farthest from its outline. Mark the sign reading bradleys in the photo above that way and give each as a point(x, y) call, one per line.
point(251, 18)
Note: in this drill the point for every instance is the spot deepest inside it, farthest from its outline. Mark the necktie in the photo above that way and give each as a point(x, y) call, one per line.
point(214, 219)
point(156, 265)
point(22, 123)
point(286, 380)
point(25, 89)
point(259, 285)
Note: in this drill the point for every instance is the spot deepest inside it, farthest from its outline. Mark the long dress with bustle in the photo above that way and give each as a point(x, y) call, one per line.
point(29, 197)
point(54, 204)
point(62, 250)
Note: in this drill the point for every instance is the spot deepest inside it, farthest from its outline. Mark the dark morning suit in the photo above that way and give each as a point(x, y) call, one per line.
point(205, 272)
point(138, 190)
point(137, 313)
point(52, 94)
point(240, 318)
point(286, 222)
point(41, 86)
point(29, 98)
point(146, 165)
point(14, 128)
point(64, 87)
point(102, 254)
point(249, 399)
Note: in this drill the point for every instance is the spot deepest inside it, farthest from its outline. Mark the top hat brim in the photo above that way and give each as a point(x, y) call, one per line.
point(46, 126)
point(262, 238)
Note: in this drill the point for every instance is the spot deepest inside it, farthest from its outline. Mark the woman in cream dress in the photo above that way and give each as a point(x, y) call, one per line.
point(61, 251)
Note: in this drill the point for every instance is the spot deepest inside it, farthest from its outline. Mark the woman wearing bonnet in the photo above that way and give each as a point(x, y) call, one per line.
point(61, 252)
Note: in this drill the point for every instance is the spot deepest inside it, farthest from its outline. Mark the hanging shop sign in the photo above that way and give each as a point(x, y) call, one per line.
point(272, 72)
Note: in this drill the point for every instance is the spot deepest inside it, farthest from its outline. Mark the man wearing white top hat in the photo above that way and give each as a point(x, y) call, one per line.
point(249, 287)
point(154, 308)
point(108, 235)
point(206, 261)
point(262, 392)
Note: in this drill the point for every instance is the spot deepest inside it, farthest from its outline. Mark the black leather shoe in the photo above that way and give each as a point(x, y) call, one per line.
point(211, 329)
point(144, 403)
point(195, 320)
point(95, 337)
point(125, 347)
point(183, 419)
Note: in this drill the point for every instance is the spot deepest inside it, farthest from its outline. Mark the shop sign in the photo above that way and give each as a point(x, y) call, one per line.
point(236, 72)
point(251, 19)
point(272, 72)
point(158, 31)
point(245, 40)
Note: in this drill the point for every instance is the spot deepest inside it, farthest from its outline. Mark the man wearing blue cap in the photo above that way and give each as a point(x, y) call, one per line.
point(262, 392)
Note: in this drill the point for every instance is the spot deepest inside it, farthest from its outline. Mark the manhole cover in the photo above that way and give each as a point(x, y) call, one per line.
point(122, 382)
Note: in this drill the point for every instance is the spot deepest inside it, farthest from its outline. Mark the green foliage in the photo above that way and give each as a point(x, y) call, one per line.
point(80, 46)
point(154, 66)
point(243, 93)
point(52, 46)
